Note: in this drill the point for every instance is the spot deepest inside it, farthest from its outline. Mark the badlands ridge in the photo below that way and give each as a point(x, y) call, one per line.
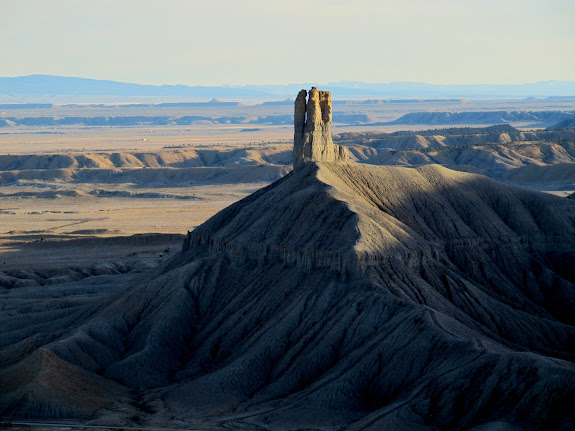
point(342, 296)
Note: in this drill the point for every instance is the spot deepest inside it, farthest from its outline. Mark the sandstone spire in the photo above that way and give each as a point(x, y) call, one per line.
point(312, 136)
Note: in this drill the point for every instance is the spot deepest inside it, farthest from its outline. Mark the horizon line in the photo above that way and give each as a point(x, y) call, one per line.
point(227, 85)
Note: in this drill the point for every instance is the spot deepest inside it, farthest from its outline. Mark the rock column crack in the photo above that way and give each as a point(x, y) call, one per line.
point(312, 130)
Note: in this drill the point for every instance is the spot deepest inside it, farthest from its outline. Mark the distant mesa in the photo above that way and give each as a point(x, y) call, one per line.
point(482, 117)
point(287, 101)
point(195, 104)
point(26, 106)
point(312, 130)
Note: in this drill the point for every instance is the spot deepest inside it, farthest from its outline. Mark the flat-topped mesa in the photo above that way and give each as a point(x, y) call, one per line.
point(312, 135)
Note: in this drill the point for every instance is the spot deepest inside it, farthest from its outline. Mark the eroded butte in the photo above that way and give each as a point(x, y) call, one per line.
point(340, 296)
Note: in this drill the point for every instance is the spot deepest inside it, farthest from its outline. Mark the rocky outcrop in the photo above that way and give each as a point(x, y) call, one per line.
point(342, 296)
point(312, 135)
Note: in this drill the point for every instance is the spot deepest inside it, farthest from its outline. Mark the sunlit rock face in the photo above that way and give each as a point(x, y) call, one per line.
point(312, 130)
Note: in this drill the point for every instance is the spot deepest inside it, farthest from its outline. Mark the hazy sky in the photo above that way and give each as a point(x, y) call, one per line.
point(276, 42)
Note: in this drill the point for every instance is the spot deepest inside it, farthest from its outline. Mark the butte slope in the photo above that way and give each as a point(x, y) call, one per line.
point(341, 295)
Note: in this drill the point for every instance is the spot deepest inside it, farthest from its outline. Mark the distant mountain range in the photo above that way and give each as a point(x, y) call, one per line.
point(561, 119)
point(69, 87)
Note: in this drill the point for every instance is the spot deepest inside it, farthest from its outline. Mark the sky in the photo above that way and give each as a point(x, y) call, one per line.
point(215, 42)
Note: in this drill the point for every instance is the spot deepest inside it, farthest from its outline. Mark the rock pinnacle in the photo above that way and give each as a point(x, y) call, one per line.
point(312, 135)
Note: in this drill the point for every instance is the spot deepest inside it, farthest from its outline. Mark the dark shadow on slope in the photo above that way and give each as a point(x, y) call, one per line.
point(344, 294)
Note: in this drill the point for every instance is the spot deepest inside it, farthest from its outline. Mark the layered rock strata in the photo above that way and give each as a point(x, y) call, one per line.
point(312, 130)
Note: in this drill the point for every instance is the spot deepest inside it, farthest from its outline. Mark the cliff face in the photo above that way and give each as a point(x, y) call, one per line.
point(312, 135)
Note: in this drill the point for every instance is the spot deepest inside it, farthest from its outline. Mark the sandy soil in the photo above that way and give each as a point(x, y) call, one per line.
point(27, 225)
point(84, 214)
point(59, 139)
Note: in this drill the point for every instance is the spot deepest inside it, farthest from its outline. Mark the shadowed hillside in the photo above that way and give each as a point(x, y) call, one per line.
point(340, 294)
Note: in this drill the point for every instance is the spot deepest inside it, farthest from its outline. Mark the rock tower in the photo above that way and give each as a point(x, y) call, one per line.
point(312, 135)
